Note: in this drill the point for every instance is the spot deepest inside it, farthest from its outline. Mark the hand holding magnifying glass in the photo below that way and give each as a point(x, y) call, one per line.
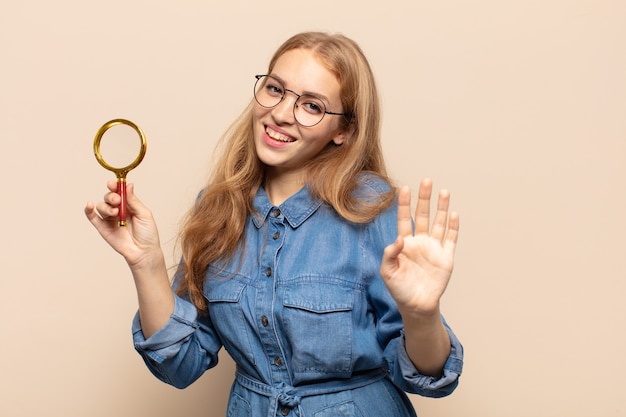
point(120, 173)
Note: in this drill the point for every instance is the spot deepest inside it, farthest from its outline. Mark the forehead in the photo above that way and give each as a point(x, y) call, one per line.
point(302, 71)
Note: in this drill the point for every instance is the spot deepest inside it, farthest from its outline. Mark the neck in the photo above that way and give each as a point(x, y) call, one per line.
point(280, 187)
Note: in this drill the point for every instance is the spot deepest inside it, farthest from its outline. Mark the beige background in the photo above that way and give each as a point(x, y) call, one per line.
point(518, 107)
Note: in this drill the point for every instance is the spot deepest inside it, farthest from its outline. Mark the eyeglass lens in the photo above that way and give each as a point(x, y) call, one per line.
point(308, 110)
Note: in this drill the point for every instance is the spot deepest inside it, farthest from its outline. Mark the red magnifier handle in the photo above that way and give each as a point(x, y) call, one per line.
point(121, 190)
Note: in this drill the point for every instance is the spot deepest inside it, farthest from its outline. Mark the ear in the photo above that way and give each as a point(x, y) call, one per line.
point(342, 135)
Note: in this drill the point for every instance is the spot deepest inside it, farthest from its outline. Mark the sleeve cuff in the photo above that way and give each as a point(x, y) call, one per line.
point(427, 385)
point(166, 342)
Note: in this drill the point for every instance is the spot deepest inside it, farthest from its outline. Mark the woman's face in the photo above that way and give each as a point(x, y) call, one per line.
point(282, 144)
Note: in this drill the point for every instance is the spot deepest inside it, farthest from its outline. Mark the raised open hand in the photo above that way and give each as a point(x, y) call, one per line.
point(417, 267)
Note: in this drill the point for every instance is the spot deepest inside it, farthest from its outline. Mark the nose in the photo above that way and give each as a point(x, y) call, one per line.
point(284, 111)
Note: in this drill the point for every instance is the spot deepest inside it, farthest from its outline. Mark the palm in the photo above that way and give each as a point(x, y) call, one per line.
point(138, 238)
point(133, 240)
point(417, 267)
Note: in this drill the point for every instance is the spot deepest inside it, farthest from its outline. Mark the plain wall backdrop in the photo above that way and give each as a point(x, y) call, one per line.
point(517, 107)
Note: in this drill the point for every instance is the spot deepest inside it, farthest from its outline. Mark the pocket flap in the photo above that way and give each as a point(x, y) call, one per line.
point(318, 297)
point(227, 290)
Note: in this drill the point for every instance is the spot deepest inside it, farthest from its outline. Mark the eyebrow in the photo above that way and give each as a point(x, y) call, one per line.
point(305, 93)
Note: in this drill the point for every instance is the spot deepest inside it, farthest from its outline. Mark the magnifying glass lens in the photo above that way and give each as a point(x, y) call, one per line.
point(120, 146)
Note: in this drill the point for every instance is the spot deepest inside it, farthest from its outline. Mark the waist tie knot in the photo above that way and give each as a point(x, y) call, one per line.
point(287, 396)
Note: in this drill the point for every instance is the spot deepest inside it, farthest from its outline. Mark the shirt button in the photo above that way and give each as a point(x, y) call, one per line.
point(264, 321)
point(277, 361)
point(268, 272)
point(276, 213)
point(284, 411)
point(276, 235)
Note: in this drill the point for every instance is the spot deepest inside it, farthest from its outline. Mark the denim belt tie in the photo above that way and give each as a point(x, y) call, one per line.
point(288, 396)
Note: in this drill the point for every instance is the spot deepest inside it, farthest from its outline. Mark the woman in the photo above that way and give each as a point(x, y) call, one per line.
point(299, 257)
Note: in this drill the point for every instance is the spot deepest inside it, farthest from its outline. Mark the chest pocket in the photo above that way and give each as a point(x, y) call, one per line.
point(226, 297)
point(318, 323)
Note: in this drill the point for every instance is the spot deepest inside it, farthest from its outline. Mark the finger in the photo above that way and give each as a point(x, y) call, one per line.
point(90, 211)
point(112, 185)
point(405, 222)
point(109, 206)
point(112, 198)
point(441, 217)
point(422, 211)
point(453, 233)
point(107, 210)
point(94, 216)
point(390, 257)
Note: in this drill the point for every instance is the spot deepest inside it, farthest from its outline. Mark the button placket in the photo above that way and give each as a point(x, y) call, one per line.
point(274, 237)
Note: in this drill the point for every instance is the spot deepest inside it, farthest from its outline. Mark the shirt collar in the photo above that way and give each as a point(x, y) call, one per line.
point(296, 209)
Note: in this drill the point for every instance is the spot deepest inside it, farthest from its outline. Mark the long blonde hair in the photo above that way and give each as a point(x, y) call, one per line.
point(214, 227)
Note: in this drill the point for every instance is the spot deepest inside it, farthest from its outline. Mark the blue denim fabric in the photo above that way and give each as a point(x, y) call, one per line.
point(306, 317)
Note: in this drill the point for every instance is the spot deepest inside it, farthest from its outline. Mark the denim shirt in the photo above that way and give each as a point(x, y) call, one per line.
point(306, 317)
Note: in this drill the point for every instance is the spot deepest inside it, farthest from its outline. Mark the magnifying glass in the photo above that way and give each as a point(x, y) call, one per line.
point(120, 172)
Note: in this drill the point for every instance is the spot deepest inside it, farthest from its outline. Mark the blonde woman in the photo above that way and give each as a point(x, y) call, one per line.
point(300, 257)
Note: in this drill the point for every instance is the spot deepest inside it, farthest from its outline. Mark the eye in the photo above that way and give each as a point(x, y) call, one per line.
point(273, 88)
point(311, 104)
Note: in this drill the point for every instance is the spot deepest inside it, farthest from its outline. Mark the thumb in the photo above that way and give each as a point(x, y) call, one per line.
point(390, 257)
point(133, 203)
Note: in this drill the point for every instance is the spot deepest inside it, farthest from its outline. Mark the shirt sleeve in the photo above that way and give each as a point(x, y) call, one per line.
point(183, 349)
point(403, 373)
point(407, 377)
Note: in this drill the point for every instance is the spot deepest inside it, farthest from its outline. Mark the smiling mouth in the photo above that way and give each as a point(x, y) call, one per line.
point(278, 136)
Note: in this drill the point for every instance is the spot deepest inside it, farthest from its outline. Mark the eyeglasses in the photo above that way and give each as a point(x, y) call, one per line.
point(308, 110)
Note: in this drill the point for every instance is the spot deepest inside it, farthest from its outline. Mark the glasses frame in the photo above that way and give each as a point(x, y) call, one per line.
point(259, 77)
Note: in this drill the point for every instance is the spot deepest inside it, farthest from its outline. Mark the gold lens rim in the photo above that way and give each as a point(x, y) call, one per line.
point(120, 172)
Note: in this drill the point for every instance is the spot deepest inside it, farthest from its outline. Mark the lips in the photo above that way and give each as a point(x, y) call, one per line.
point(280, 137)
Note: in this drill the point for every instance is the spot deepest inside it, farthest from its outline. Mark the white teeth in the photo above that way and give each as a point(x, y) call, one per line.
point(277, 136)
